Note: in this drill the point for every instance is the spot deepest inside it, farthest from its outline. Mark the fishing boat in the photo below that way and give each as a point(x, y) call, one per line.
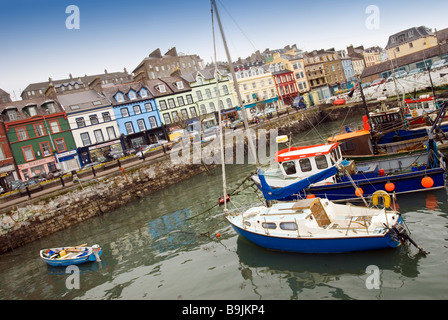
point(320, 170)
point(318, 225)
point(66, 256)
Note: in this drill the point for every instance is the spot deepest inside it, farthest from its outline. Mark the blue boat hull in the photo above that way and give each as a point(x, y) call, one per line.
point(64, 263)
point(316, 245)
point(403, 135)
point(344, 191)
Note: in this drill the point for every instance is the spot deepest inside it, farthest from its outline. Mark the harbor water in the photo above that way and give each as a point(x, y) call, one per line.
point(176, 245)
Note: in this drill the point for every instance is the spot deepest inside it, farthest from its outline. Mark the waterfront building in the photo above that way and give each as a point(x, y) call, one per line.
point(286, 86)
point(205, 95)
point(410, 41)
point(39, 134)
point(293, 60)
point(156, 65)
point(257, 88)
point(8, 171)
point(174, 98)
point(94, 128)
point(74, 84)
point(418, 60)
point(136, 113)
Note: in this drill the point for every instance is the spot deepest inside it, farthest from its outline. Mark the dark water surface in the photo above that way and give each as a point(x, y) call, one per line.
point(165, 246)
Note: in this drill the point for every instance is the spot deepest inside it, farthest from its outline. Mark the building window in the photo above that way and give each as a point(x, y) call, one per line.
point(171, 103)
point(111, 133)
point(93, 119)
point(137, 110)
point(225, 89)
point(180, 85)
point(129, 127)
point(199, 95)
point(141, 125)
point(148, 107)
point(45, 148)
point(85, 139)
point(80, 122)
point(175, 116)
point(161, 88)
point(39, 128)
point(208, 93)
point(119, 97)
point(180, 101)
point(124, 112)
point(167, 118)
point(189, 99)
point(132, 95)
point(28, 153)
point(203, 109)
point(411, 45)
point(32, 111)
point(193, 112)
point(54, 126)
point(153, 122)
point(184, 113)
point(143, 93)
point(162, 104)
point(106, 116)
point(22, 134)
point(212, 107)
point(12, 115)
point(60, 145)
point(98, 135)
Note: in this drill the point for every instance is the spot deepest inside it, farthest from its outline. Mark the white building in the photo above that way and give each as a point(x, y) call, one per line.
point(93, 125)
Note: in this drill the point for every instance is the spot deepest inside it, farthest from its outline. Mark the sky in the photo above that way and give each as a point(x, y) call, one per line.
point(37, 40)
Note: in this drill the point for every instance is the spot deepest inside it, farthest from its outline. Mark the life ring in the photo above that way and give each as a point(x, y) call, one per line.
point(381, 194)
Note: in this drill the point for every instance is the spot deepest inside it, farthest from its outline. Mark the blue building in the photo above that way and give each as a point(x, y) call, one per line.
point(349, 72)
point(136, 113)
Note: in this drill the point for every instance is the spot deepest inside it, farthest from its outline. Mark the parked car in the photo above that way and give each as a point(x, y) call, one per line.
point(365, 85)
point(147, 149)
point(236, 124)
point(400, 74)
point(415, 71)
point(439, 64)
point(378, 82)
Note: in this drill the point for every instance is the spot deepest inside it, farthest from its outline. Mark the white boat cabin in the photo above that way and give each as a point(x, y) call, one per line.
point(302, 162)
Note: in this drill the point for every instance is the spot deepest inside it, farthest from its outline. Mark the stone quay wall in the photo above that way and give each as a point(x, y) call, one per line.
point(46, 216)
point(40, 217)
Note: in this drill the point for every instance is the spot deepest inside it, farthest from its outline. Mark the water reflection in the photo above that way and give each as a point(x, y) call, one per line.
point(308, 271)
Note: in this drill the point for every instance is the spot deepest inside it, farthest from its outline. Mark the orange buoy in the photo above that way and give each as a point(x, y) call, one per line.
point(389, 187)
point(427, 182)
point(382, 172)
point(310, 196)
point(218, 235)
point(359, 192)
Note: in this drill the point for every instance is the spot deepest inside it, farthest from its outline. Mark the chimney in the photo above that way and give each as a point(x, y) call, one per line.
point(105, 71)
point(125, 70)
point(71, 77)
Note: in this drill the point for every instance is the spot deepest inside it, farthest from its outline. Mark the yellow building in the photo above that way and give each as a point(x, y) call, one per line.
point(293, 61)
point(410, 41)
point(257, 89)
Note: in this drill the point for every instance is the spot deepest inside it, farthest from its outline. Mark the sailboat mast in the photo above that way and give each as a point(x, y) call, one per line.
point(235, 83)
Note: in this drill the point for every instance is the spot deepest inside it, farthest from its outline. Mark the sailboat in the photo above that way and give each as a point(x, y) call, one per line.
point(312, 225)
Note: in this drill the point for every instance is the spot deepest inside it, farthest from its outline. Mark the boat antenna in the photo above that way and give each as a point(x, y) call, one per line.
point(235, 83)
point(221, 135)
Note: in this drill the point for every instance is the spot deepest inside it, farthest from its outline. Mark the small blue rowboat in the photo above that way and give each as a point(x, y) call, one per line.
point(66, 256)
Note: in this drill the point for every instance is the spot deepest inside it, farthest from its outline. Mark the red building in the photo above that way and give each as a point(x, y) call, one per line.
point(7, 164)
point(286, 86)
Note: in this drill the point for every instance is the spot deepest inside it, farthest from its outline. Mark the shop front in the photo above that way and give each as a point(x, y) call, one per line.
point(100, 152)
point(68, 161)
point(7, 175)
point(38, 168)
